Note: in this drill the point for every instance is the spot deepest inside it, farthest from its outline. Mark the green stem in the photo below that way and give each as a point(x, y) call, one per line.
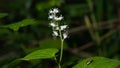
point(61, 49)
point(61, 52)
point(59, 66)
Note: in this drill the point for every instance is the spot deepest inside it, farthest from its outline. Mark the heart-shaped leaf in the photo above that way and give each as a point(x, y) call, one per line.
point(41, 54)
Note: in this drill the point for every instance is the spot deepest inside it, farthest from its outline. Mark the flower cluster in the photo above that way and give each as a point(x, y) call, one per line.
point(53, 13)
point(57, 28)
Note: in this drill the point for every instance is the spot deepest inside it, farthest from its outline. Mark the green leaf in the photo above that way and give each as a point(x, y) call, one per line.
point(98, 62)
point(23, 23)
point(3, 15)
point(51, 43)
point(41, 54)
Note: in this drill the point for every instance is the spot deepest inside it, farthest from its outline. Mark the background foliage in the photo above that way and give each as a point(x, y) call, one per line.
point(93, 31)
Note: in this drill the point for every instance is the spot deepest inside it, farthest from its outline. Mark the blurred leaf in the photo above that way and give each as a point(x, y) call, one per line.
point(41, 6)
point(97, 62)
point(51, 43)
point(76, 10)
point(3, 15)
point(41, 54)
point(23, 23)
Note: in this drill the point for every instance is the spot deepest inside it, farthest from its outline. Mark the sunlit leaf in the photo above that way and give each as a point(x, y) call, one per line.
point(41, 54)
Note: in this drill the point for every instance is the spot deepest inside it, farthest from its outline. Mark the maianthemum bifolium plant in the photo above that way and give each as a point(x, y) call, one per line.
point(58, 29)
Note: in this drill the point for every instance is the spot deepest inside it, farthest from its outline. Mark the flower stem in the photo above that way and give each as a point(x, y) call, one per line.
point(61, 52)
point(59, 66)
point(61, 49)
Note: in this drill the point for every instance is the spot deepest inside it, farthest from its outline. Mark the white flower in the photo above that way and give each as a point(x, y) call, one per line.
point(52, 24)
point(50, 11)
point(55, 33)
point(58, 18)
point(55, 25)
point(55, 10)
point(65, 35)
point(63, 27)
point(51, 17)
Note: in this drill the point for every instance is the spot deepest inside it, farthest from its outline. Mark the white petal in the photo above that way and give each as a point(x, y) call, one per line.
point(58, 18)
point(55, 10)
point(55, 33)
point(63, 27)
point(50, 11)
point(51, 17)
point(65, 35)
point(52, 24)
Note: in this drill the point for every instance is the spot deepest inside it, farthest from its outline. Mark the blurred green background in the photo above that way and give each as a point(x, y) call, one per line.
point(94, 30)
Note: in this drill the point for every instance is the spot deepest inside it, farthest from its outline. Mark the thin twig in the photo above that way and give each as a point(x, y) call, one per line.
point(104, 25)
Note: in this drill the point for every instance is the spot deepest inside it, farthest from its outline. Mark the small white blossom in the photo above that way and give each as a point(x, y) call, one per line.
point(55, 33)
point(58, 18)
point(65, 35)
point(55, 10)
point(50, 11)
point(51, 17)
point(52, 24)
point(63, 27)
point(55, 25)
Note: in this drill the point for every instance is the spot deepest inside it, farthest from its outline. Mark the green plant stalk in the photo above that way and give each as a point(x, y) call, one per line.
point(57, 62)
point(61, 49)
point(59, 66)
